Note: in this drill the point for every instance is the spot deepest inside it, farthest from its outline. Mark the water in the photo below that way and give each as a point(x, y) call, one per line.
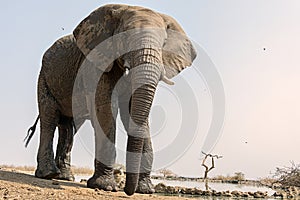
point(216, 186)
point(201, 185)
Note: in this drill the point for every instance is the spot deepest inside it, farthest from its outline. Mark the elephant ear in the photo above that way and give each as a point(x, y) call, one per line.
point(94, 34)
point(178, 51)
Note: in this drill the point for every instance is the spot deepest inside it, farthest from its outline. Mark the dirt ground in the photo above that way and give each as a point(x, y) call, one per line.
point(16, 184)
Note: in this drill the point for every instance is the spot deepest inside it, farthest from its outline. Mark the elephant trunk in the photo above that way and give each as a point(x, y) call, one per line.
point(146, 73)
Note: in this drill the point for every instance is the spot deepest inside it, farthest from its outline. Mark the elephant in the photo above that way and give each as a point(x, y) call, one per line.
point(151, 51)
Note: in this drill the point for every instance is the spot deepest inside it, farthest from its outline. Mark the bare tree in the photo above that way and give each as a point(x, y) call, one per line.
point(208, 169)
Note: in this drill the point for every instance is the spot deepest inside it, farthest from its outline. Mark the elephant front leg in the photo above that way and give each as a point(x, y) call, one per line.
point(145, 185)
point(64, 147)
point(105, 151)
point(104, 123)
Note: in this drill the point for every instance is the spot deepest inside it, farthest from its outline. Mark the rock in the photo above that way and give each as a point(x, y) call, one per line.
point(290, 195)
point(198, 191)
point(250, 193)
point(5, 193)
point(293, 190)
point(55, 183)
point(278, 194)
point(236, 193)
point(121, 184)
point(178, 189)
point(259, 194)
point(207, 193)
point(276, 185)
point(170, 190)
point(160, 188)
point(83, 181)
point(190, 191)
point(217, 194)
point(119, 177)
point(245, 194)
point(183, 190)
point(227, 194)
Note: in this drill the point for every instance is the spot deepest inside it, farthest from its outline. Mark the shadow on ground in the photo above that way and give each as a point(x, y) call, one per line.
point(19, 177)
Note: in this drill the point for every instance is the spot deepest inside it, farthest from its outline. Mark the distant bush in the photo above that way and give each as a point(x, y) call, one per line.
point(87, 170)
point(82, 170)
point(238, 176)
point(20, 168)
point(220, 177)
point(76, 170)
point(167, 173)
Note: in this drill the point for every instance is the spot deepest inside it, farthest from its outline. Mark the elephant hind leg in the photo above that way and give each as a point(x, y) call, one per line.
point(64, 147)
point(49, 118)
point(46, 166)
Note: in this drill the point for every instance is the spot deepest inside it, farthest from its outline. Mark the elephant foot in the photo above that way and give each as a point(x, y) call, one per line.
point(103, 178)
point(145, 185)
point(47, 172)
point(66, 174)
point(103, 182)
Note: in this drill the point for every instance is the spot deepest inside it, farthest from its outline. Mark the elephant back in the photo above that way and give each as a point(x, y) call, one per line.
point(97, 27)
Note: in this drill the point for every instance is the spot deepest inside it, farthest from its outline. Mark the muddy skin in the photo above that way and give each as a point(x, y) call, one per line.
point(64, 147)
point(153, 62)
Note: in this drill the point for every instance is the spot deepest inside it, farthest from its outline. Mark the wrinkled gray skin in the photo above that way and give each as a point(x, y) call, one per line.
point(60, 65)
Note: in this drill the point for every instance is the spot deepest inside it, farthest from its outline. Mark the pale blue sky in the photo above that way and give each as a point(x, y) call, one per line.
point(261, 87)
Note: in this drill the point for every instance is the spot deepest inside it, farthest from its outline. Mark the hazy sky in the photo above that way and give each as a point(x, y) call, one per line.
point(254, 45)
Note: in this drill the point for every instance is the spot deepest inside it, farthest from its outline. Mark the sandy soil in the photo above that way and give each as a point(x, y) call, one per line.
point(16, 184)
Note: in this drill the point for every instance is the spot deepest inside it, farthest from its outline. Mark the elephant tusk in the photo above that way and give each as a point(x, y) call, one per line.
point(126, 71)
point(167, 80)
point(127, 67)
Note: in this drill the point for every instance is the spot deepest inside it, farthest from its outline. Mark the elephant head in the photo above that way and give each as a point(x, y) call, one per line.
point(151, 45)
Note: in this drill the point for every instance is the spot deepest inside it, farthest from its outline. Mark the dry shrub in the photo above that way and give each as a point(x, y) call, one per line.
point(267, 181)
point(75, 170)
point(238, 176)
point(288, 176)
point(20, 168)
point(167, 173)
point(82, 170)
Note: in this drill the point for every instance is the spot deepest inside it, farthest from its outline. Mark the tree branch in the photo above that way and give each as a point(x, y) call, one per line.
point(208, 169)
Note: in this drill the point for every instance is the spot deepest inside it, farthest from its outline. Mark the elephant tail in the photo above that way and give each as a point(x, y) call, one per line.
point(31, 131)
